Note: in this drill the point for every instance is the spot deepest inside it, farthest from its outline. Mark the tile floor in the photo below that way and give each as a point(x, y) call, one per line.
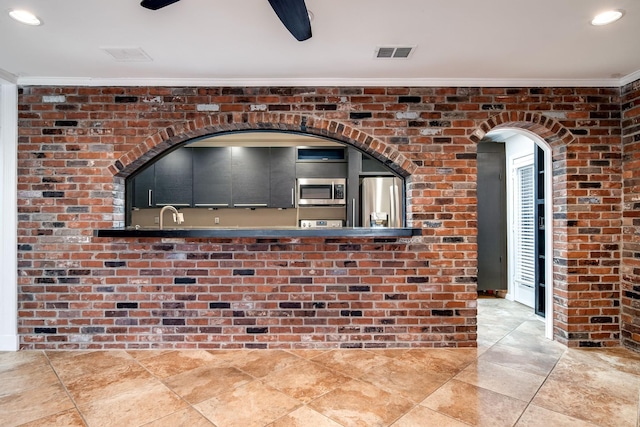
point(514, 378)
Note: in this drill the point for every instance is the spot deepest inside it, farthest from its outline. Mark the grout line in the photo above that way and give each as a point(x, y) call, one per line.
point(66, 390)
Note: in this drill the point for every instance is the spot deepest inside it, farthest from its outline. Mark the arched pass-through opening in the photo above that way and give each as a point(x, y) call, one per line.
point(264, 178)
point(520, 147)
point(171, 138)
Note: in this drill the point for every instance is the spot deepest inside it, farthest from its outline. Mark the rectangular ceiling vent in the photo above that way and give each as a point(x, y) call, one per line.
point(128, 54)
point(394, 52)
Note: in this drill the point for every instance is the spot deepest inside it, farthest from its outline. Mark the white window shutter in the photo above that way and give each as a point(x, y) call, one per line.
point(524, 227)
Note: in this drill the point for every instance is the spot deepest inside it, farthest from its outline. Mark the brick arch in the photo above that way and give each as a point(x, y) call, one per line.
point(547, 128)
point(211, 125)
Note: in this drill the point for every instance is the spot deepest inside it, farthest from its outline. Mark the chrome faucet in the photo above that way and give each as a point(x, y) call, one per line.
point(177, 216)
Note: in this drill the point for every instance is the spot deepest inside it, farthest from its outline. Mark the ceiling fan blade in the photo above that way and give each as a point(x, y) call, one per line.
point(294, 16)
point(156, 4)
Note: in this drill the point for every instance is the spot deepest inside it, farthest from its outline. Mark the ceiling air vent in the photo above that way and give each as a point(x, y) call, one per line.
point(394, 52)
point(128, 54)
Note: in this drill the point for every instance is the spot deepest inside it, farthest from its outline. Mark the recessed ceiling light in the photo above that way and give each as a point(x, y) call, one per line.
point(607, 17)
point(25, 17)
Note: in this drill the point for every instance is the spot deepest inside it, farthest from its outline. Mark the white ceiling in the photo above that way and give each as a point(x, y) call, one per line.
point(242, 42)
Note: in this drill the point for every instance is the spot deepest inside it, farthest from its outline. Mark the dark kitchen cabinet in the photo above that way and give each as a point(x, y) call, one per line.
point(282, 177)
point(250, 170)
point(143, 188)
point(321, 170)
point(174, 179)
point(211, 177)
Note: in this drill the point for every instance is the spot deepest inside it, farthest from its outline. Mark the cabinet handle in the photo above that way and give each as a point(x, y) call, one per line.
point(212, 204)
point(293, 197)
point(248, 205)
point(150, 191)
point(353, 212)
point(173, 204)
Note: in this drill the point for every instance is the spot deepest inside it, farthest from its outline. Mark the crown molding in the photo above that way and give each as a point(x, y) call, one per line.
point(630, 78)
point(317, 82)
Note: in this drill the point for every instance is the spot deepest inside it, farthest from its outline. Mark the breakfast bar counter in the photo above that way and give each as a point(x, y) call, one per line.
point(242, 232)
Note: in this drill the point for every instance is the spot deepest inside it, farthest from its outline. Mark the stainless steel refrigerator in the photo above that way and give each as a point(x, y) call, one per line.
point(381, 202)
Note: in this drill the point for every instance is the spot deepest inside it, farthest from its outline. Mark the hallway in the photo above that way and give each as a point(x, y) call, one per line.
point(515, 378)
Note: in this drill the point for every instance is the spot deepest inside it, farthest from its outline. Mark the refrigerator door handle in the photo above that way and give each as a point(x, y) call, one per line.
point(392, 214)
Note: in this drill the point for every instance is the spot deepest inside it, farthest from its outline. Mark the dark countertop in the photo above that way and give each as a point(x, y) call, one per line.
point(258, 232)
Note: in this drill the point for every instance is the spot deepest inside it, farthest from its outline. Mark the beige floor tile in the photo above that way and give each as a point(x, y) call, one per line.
point(353, 363)
point(587, 400)
point(70, 354)
point(618, 359)
point(71, 365)
point(305, 380)
point(307, 354)
point(520, 359)
point(10, 360)
point(530, 336)
point(176, 362)
point(226, 356)
point(493, 333)
point(69, 418)
point(132, 408)
point(33, 404)
point(187, 417)
point(109, 382)
point(536, 416)
point(389, 352)
point(27, 376)
point(205, 382)
point(144, 354)
point(597, 377)
point(425, 417)
point(262, 363)
point(475, 405)
point(404, 378)
point(98, 375)
point(251, 405)
point(501, 379)
point(304, 417)
point(442, 361)
point(361, 404)
point(483, 346)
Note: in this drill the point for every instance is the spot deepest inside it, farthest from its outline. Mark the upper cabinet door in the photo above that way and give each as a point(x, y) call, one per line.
point(212, 177)
point(143, 188)
point(250, 174)
point(174, 179)
point(283, 177)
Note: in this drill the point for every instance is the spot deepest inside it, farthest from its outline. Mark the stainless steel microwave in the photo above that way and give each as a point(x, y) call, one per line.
point(321, 191)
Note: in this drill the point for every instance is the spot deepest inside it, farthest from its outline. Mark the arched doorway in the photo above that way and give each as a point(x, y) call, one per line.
point(527, 244)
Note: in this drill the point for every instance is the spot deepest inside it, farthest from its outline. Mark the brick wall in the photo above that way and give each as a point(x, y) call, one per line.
point(631, 252)
point(77, 144)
